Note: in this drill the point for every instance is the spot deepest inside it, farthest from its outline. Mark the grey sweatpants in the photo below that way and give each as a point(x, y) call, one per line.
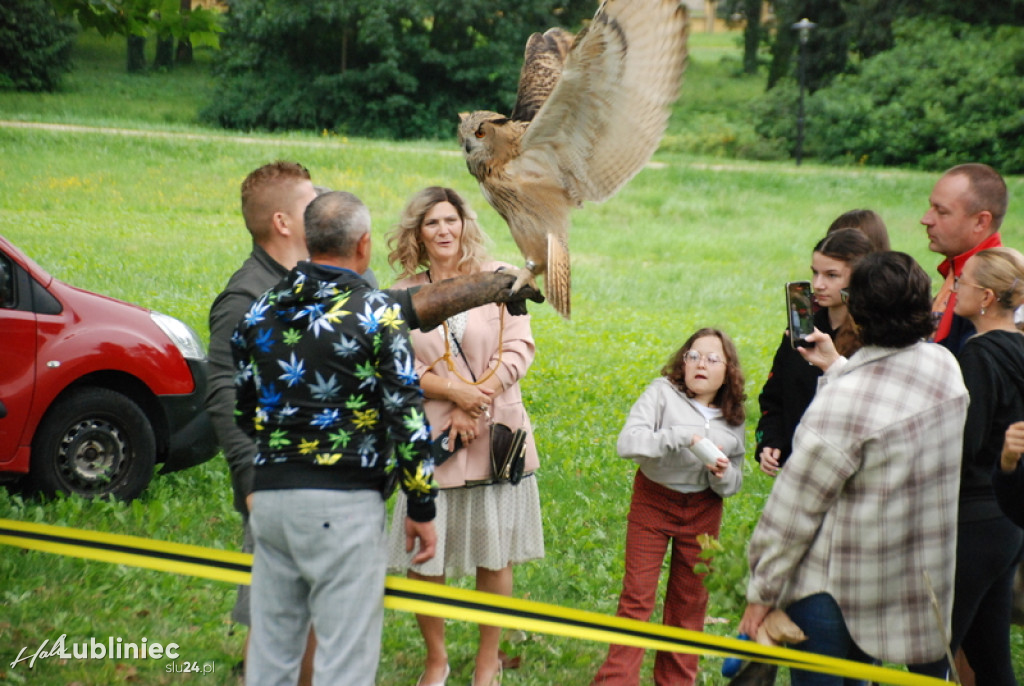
point(320, 558)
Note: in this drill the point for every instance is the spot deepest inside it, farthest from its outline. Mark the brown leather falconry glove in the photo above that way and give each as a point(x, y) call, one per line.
point(436, 302)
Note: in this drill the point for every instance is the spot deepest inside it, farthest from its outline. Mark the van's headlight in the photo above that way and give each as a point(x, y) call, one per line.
point(183, 337)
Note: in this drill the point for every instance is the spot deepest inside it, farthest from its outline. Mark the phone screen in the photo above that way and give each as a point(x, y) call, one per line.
point(800, 312)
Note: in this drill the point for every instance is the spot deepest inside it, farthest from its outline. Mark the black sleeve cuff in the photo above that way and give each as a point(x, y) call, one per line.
point(421, 511)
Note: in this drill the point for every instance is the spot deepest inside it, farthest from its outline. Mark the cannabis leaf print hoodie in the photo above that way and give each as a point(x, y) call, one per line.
point(326, 386)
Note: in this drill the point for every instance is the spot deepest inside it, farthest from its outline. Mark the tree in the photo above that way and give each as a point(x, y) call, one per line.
point(753, 30)
point(385, 68)
point(827, 47)
point(35, 46)
point(751, 35)
point(864, 28)
point(184, 53)
point(947, 92)
point(168, 20)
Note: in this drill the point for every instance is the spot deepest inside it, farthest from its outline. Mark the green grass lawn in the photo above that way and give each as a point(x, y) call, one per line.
point(695, 240)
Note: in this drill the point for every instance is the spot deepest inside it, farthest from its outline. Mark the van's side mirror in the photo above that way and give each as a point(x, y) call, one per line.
point(3, 409)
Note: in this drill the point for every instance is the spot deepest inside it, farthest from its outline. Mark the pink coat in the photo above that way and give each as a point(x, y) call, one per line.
point(480, 345)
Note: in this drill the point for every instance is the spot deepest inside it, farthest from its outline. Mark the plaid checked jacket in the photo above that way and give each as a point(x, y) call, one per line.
point(868, 501)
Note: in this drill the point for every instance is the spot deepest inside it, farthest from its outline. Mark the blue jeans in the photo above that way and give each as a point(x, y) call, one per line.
point(821, 619)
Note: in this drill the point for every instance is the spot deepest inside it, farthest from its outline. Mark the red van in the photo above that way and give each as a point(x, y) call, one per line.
point(98, 392)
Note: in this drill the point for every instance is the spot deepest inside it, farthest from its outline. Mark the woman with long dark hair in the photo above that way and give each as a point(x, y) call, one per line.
point(791, 383)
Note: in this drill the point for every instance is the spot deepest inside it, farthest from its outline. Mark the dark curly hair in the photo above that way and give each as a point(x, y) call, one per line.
point(730, 396)
point(890, 300)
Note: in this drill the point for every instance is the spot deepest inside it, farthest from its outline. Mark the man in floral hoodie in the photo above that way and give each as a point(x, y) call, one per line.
point(327, 389)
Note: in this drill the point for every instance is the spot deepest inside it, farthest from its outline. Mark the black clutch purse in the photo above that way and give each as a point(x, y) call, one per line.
point(508, 453)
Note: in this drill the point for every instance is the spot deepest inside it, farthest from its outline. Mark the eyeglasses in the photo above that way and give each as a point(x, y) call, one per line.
point(694, 357)
point(957, 283)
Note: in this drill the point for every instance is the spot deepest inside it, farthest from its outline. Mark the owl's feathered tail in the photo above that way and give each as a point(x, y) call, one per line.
point(556, 278)
point(556, 274)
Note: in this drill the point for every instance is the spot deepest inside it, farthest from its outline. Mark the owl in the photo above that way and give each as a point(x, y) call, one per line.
point(590, 111)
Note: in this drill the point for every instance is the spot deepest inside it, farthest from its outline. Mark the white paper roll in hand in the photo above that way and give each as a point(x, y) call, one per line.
point(707, 452)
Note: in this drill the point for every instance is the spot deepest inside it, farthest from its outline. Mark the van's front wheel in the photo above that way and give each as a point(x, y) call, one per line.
point(96, 443)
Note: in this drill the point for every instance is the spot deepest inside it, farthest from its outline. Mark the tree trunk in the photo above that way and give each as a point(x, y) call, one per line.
point(136, 54)
point(751, 35)
point(184, 54)
point(786, 14)
point(164, 58)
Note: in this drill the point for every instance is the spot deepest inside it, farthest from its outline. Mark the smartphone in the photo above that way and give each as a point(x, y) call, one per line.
point(800, 313)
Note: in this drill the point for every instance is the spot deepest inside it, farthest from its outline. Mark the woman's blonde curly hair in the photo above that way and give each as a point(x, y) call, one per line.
point(407, 251)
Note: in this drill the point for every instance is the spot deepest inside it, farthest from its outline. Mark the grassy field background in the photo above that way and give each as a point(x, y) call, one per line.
point(145, 208)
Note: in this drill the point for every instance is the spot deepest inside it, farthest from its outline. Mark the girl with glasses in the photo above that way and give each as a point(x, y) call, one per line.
point(676, 496)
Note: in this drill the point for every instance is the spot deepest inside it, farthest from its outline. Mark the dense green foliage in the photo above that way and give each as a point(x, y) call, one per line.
point(372, 67)
point(827, 47)
point(167, 20)
point(163, 18)
point(946, 93)
point(849, 30)
point(35, 46)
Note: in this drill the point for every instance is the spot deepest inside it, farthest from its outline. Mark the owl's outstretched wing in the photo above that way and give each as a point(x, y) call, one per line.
point(606, 115)
point(543, 60)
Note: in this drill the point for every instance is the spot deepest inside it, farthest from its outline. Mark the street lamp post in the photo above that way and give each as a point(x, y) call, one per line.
point(803, 29)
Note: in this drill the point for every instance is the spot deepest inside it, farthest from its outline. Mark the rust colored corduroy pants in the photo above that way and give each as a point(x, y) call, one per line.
point(659, 516)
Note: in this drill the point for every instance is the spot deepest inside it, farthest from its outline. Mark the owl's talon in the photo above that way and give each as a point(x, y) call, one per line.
point(524, 277)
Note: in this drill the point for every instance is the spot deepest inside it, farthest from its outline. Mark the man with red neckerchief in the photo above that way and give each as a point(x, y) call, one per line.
point(966, 209)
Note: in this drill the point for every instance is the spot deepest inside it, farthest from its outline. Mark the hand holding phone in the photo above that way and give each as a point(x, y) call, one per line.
point(820, 351)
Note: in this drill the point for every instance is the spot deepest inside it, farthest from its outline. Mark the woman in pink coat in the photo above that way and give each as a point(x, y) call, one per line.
point(470, 371)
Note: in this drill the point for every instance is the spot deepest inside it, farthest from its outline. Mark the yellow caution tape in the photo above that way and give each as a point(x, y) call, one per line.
point(177, 558)
point(438, 600)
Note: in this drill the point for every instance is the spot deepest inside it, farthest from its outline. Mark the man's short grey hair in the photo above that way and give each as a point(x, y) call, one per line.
point(335, 221)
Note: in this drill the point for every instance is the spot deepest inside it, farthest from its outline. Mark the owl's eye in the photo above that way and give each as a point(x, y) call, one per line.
point(480, 132)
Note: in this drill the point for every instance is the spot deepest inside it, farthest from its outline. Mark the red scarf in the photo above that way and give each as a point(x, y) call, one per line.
point(945, 300)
